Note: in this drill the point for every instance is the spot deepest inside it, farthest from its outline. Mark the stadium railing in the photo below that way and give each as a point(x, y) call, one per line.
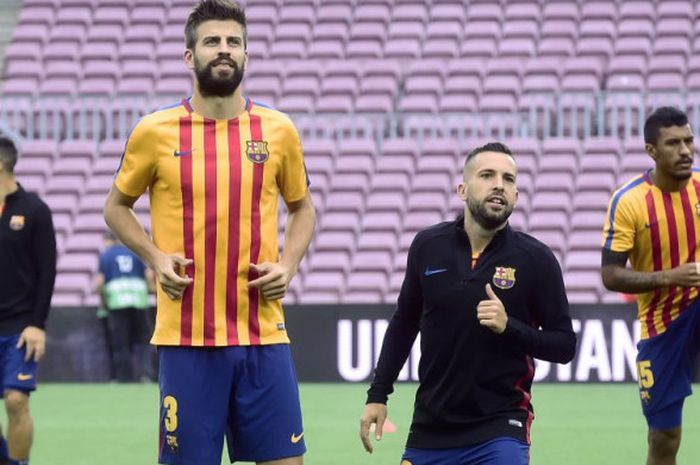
point(579, 115)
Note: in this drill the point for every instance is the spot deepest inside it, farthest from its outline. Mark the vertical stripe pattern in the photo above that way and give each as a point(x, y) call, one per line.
point(254, 294)
point(210, 238)
point(691, 241)
point(186, 158)
point(234, 143)
point(214, 189)
point(657, 260)
point(675, 260)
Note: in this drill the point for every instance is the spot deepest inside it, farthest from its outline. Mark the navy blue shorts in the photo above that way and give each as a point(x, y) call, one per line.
point(247, 394)
point(16, 373)
point(665, 369)
point(499, 451)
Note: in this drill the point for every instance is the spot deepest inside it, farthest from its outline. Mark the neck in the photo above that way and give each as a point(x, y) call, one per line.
point(218, 107)
point(667, 183)
point(479, 237)
point(8, 185)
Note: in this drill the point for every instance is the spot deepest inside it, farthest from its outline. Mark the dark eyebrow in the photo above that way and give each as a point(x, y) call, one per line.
point(215, 37)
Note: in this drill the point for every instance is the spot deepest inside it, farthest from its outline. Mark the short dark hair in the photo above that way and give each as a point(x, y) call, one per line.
point(499, 147)
point(214, 10)
point(8, 153)
point(662, 117)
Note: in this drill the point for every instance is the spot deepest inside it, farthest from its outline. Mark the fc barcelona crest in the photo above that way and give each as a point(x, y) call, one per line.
point(256, 151)
point(504, 278)
point(16, 222)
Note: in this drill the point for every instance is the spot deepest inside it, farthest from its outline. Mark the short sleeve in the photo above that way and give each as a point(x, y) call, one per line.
point(293, 181)
point(137, 166)
point(619, 231)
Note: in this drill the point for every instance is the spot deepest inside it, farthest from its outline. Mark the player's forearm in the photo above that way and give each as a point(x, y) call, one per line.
point(297, 235)
point(553, 345)
point(398, 341)
point(122, 220)
point(44, 291)
point(45, 262)
point(621, 279)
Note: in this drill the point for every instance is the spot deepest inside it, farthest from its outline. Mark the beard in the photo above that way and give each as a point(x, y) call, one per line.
point(682, 176)
point(681, 173)
point(212, 86)
point(487, 219)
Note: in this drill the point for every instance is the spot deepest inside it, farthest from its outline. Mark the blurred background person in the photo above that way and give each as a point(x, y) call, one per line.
point(123, 284)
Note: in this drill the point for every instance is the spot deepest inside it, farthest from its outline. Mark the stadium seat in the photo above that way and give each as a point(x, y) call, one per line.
point(635, 29)
point(365, 287)
point(637, 10)
point(329, 261)
point(323, 287)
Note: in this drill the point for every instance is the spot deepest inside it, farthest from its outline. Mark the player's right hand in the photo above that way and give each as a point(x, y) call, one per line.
point(686, 275)
point(373, 414)
point(170, 271)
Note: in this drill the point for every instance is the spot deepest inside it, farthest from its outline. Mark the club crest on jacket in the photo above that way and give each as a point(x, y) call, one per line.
point(504, 278)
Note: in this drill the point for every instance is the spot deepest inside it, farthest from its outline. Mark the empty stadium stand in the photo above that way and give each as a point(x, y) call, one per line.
point(577, 76)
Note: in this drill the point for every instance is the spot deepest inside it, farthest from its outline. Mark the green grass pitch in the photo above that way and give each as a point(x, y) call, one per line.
point(110, 424)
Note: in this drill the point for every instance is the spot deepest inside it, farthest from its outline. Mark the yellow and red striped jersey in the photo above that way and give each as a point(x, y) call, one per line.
point(214, 187)
point(660, 231)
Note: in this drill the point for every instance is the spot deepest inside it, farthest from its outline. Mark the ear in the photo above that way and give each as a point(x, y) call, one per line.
point(189, 59)
point(462, 192)
point(651, 151)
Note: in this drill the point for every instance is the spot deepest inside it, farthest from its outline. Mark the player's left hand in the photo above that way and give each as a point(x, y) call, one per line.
point(491, 312)
point(273, 280)
point(35, 340)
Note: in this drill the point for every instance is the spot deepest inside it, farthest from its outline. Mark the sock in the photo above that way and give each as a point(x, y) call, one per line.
point(18, 462)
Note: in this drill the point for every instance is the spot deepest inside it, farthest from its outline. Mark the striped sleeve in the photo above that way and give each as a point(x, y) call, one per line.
point(619, 231)
point(293, 182)
point(137, 166)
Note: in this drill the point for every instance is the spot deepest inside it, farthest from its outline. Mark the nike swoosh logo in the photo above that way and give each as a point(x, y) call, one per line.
point(295, 439)
point(182, 153)
point(23, 377)
point(429, 272)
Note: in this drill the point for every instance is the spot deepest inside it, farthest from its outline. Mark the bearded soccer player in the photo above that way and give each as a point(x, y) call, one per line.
point(215, 165)
point(654, 222)
point(486, 300)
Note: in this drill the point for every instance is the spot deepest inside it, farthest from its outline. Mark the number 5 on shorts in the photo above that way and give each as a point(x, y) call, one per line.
point(646, 377)
point(170, 406)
